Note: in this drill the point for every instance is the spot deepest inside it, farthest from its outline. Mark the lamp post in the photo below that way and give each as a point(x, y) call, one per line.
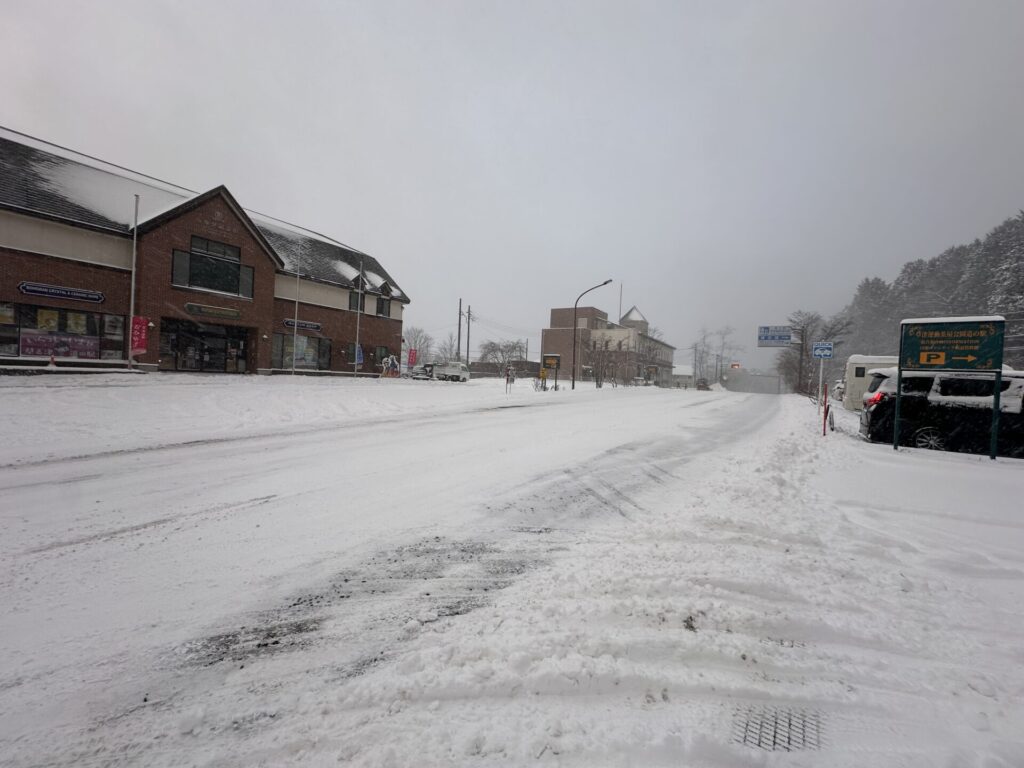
point(574, 329)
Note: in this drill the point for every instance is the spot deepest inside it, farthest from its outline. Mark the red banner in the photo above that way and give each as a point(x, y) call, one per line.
point(140, 334)
point(412, 357)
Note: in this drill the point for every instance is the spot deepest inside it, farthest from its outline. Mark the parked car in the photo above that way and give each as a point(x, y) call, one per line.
point(702, 385)
point(945, 411)
point(422, 372)
point(452, 371)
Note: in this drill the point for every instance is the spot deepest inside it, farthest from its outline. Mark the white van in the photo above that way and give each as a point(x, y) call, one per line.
point(858, 377)
point(453, 371)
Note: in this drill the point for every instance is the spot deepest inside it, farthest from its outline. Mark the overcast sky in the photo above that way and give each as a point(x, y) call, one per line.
point(725, 162)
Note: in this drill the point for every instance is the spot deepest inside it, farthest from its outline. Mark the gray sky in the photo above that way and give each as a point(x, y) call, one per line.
point(728, 162)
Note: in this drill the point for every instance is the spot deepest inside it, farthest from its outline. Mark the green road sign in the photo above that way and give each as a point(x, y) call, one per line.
point(974, 344)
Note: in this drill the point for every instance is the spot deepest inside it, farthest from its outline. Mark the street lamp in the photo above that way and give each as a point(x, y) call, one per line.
point(574, 332)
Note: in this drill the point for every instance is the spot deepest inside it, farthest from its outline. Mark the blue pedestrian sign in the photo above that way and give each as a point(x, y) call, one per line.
point(822, 350)
point(774, 335)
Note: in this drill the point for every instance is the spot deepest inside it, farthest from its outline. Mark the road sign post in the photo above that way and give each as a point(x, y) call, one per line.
point(823, 350)
point(952, 344)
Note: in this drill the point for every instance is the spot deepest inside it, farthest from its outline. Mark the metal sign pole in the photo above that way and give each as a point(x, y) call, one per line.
point(821, 370)
point(899, 392)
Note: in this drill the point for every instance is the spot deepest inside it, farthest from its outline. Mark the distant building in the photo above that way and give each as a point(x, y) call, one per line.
point(624, 352)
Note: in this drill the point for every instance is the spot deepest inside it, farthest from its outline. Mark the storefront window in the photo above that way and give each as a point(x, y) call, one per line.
point(8, 330)
point(313, 353)
point(34, 331)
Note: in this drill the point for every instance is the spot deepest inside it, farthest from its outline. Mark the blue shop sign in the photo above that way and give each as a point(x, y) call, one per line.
point(61, 292)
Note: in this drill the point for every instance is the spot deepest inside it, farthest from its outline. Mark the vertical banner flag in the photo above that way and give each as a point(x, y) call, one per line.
point(412, 358)
point(359, 354)
point(140, 334)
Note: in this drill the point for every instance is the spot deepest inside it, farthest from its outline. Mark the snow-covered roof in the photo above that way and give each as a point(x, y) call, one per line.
point(871, 359)
point(971, 319)
point(635, 315)
point(43, 180)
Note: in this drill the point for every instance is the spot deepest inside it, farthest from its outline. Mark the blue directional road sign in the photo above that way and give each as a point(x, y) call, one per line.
point(822, 350)
point(774, 335)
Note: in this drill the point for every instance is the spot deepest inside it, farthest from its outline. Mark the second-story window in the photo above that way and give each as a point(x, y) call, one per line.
point(384, 307)
point(357, 301)
point(212, 266)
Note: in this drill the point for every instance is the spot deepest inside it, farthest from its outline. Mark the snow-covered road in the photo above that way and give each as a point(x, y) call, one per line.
point(277, 572)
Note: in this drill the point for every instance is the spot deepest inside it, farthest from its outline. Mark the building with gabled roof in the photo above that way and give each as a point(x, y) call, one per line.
point(221, 288)
point(624, 352)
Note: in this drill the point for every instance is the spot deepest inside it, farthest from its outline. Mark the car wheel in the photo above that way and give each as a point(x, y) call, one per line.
point(930, 438)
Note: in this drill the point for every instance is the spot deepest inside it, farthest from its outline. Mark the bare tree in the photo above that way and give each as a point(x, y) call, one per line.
point(447, 349)
point(502, 352)
point(420, 340)
point(794, 363)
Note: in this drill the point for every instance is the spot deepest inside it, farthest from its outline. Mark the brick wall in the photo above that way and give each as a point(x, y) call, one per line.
point(18, 266)
point(156, 298)
point(339, 326)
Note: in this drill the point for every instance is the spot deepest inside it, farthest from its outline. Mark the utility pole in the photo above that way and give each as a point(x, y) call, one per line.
point(469, 318)
point(359, 311)
point(131, 297)
point(458, 344)
point(800, 365)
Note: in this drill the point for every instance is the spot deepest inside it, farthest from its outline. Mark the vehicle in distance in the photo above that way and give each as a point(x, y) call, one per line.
point(945, 411)
point(422, 372)
point(452, 371)
point(702, 385)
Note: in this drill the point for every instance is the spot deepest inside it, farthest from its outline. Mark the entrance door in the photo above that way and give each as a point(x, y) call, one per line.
point(209, 348)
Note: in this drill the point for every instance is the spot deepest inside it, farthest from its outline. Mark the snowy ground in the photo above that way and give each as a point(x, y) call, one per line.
point(248, 571)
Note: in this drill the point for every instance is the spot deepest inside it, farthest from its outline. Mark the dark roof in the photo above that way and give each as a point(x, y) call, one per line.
point(81, 192)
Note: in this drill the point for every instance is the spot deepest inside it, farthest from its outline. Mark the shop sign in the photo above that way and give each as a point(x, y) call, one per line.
point(61, 292)
point(552, 361)
point(205, 310)
point(36, 343)
point(140, 334)
point(303, 325)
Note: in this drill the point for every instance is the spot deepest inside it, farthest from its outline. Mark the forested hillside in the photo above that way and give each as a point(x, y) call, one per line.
point(985, 277)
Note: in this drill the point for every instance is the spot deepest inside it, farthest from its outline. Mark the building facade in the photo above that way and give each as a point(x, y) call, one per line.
point(623, 352)
point(217, 288)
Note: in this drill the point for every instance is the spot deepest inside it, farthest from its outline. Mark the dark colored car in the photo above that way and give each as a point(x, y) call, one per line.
point(945, 411)
point(702, 385)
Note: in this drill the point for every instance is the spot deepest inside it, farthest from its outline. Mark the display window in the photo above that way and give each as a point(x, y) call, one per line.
point(32, 331)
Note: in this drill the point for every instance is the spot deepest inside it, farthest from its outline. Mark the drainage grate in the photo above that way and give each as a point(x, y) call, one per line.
point(773, 729)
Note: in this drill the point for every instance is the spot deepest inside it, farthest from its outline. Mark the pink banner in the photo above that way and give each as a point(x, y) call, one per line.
point(35, 343)
point(412, 358)
point(140, 334)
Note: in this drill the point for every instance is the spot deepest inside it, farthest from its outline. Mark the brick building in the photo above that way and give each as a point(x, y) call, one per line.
point(623, 351)
point(220, 287)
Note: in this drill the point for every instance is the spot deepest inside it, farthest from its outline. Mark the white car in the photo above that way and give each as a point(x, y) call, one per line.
point(451, 371)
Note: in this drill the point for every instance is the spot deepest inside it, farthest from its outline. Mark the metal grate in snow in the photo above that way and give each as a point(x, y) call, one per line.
point(774, 729)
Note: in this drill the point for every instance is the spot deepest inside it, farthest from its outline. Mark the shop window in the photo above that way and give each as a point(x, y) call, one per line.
point(381, 353)
point(357, 301)
point(212, 266)
point(8, 330)
point(313, 353)
point(384, 307)
point(49, 331)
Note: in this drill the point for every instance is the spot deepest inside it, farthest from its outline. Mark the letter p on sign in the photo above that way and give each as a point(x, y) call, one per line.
point(933, 358)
